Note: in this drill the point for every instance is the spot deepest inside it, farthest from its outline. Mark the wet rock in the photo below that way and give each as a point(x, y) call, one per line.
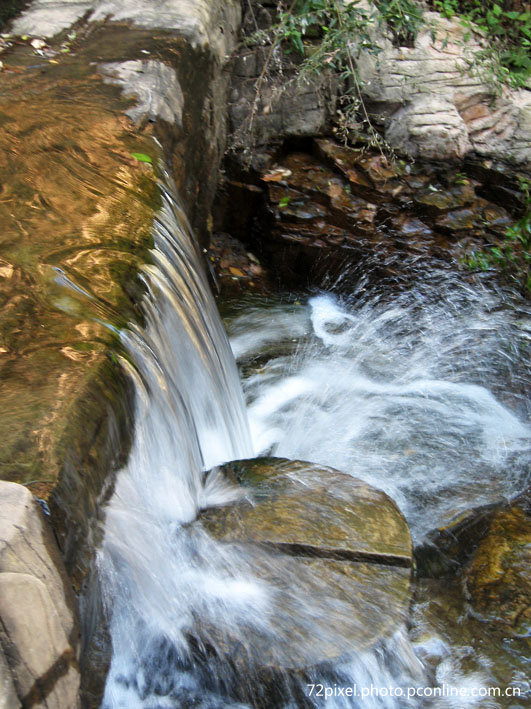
point(334, 553)
point(39, 635)
point(447, 550)
point(233, 268)
point(462, 219)
point(454, 643)
point(321, 218)
point(77, 206)
point(498, 580)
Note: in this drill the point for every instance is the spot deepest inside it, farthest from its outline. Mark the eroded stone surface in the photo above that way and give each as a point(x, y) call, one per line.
point(39, 634)
point(202, 22)
point(435, 98)
point(335, 555)
point(154, 86)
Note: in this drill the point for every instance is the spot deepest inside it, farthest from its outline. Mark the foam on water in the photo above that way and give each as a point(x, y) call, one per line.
point(420, 395)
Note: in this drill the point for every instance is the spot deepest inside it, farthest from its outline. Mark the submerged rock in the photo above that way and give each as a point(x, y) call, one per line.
point(334, 555)
point(489, 549)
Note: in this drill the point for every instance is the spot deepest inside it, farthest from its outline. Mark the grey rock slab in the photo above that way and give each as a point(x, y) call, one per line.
point(38, 622)
point(8, 695)
point(27, 546)
point(43, 663)
point(46, 18)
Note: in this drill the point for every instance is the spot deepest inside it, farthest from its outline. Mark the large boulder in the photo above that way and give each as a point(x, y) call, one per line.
point(334, 552)
point(39, 633)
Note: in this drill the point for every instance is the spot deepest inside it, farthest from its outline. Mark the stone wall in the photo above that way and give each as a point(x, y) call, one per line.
point(77, 209)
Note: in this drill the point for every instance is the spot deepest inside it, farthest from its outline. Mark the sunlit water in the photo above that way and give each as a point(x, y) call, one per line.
point(418, 395)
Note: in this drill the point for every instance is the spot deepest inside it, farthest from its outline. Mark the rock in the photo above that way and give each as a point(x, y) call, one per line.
point(335, 555)
point(39, 636)
point(490, 549)
point(498, 579)
point(433, 101)
point(429, 127)
point(341, 213)
point(448, 549)
point(8, 695)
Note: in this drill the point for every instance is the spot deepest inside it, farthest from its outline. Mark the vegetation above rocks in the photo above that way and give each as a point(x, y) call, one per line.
point(512, 254)
point(321, 32)
point(507, 25)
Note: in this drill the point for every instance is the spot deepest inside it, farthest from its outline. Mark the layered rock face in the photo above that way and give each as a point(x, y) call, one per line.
point(433, 100)
point(334, 214)
point(437, 101)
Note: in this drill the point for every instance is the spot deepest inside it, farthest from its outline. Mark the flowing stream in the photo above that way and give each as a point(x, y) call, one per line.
point(419, 394)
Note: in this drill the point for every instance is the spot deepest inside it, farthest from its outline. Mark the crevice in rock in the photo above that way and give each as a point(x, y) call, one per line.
point(355, 555)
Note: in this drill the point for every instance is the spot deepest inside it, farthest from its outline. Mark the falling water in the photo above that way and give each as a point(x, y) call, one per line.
point(171, 591)
point(189, 417)
point(369, 386)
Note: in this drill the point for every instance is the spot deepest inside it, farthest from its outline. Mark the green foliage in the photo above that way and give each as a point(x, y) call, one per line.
point(508, 33)
point(404, 19)
point(9, 8)
point(513, 254)
point(335, 22)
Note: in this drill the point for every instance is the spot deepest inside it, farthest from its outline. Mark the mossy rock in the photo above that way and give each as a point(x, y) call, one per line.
point(498, 579)
point(335, 555)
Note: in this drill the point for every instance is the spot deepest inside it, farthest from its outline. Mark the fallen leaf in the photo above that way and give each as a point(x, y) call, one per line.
point(236, 272)
point(276, 175)
point(142, 157)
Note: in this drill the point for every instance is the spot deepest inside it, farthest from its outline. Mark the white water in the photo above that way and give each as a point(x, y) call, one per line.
point(369, 387)
point(405, 392)
point(165, 582)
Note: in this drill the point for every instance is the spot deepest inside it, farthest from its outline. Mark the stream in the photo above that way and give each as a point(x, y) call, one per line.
point(419, 393)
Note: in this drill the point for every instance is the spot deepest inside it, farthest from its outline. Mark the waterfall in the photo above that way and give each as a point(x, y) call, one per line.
point(370, 385)
point(189, 416)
